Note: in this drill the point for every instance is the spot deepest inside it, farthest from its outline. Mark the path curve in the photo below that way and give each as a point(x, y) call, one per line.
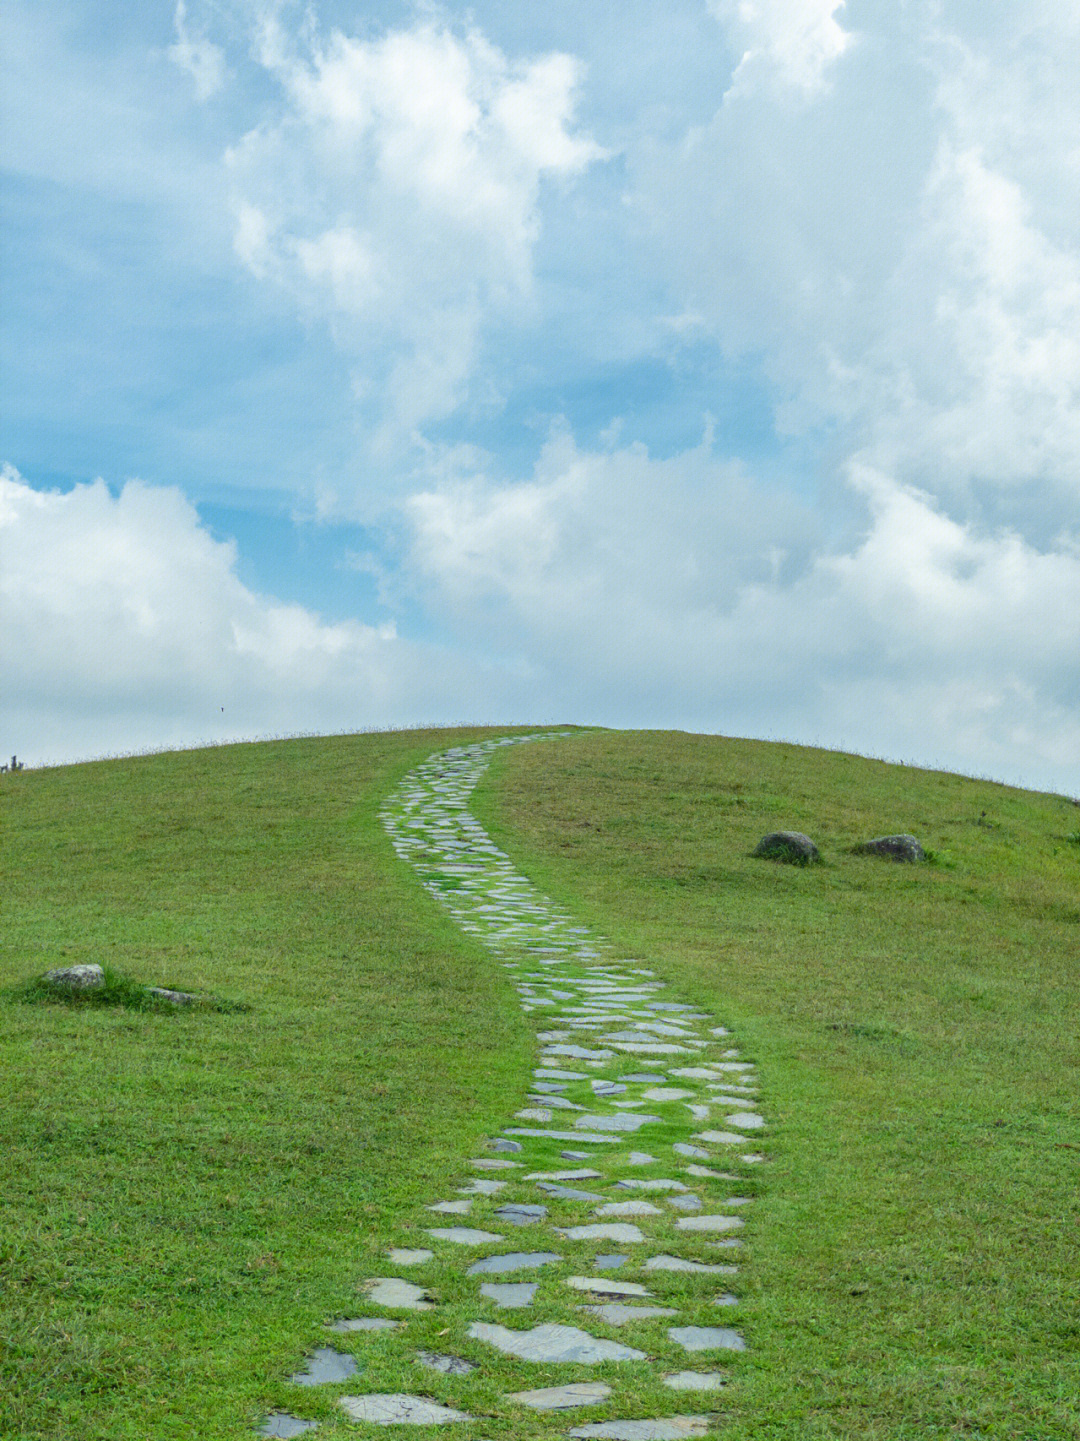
point(596, 1240)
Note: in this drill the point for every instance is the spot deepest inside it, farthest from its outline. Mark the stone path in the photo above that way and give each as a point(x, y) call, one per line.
point(595, 1244)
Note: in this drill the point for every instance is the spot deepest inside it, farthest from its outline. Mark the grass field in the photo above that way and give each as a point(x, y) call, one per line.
point(914, 1267)
point(187, 1197)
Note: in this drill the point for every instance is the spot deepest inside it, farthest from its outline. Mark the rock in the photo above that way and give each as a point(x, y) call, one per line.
point(283, 1423)
point(893, 848)
point(325, 1365)
point(76, 978)
point(790, 846)
point(395, 1408)
point(176, 998)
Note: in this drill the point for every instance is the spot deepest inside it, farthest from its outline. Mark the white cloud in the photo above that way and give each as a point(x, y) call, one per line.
point(199, 57)
point(398, 194)
point(901, 262)
point(791, 43)
point(126, 625)
point(683, 593)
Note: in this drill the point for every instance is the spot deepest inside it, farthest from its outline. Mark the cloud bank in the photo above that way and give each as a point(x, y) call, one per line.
point(740, 396)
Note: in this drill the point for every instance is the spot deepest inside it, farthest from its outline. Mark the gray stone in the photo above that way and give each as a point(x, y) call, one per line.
point(452, 1208)
point(463, 1235)
point(745, 1120)
point(553, 1343)
point(670, 1428)
point(568, 1193)
point(627, 1208)
point(590, 1136)
point(501, 1144)
point(893, 848)
point(365, 1323)
point(640, 1158)
point(410, 1255)
point(509, 1295)
point(609, 1261)
point(621, 1122)
point(615, 1313)
point(710, 1223)
point(620, 1231)
point(448, 1365)
point(534, 1113)
point(579, 1053)
point(76, 978)
point(397, 1295)
point(521, 1215)
point(325, 1366)
point(281, 1423)
point(645, 1077)
point(582, 1174)
point(638, 1183)
point(512, 1261)
point(395, 1409)
point(727, 1299)
point(684, 1148)
point(174, 998)
point(695, 1380)
point(684, 1203)
point(667, 1093)
point(563, 1398)
point(675, 1263)
point(485, 1163)
point(707, 1338)
point(719, 1138)
point(790, 846)
point(601, 1287)
point(479, 1187)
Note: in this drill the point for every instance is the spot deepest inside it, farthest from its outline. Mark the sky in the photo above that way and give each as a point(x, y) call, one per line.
point(711, 366)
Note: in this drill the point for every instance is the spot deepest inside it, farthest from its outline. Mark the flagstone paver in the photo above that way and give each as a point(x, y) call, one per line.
point(595, 1014)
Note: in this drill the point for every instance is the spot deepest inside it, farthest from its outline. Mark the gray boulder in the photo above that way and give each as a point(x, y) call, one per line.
point(76, 978)
point(893, 848)
point(790, 846)
point(177, 998)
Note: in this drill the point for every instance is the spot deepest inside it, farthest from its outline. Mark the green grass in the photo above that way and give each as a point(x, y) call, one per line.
point(189, 1194)
point(913, 1266)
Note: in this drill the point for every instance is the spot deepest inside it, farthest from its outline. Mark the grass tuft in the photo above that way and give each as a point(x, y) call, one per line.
point(121, 990)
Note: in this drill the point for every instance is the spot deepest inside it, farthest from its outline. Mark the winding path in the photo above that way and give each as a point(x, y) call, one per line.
point(597, 1239)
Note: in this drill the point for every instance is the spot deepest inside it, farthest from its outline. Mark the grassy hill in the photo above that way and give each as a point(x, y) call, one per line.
point(187, 1197)
point(914, 1268)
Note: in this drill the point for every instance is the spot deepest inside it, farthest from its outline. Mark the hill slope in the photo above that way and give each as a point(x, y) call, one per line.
point(914, 1268)
point(187, 1195)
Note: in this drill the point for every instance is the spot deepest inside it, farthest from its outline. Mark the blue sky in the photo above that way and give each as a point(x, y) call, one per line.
point(711, 366)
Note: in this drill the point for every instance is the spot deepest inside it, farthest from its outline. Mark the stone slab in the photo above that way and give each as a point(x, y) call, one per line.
point(464, 1235)
point(706, 1338)
point(554, 1343)
point(669, 1428)
point(563, 1398)
point(616, 1313)
point(621, 1231)
point(365, 1323)
point(325, 1366)
point(397, 1295)
point(512, 1261)
point(694, 1380)
point(282, 1424)
point(510, 1295)
point(395, 1409)
point(448, 1365)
